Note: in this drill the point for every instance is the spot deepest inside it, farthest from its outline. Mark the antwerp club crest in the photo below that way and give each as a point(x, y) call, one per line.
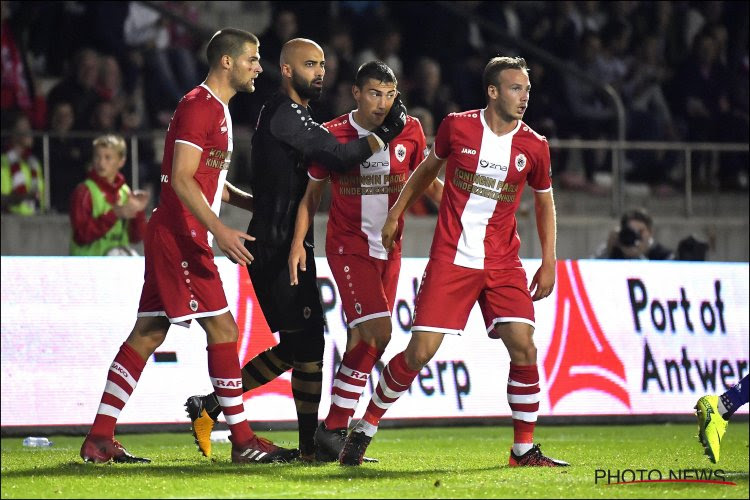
point(579, 356)
point(400, 152)
point(520, 161)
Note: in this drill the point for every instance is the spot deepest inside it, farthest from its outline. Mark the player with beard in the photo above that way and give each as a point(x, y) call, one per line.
point(285, 140)
point(181, 280)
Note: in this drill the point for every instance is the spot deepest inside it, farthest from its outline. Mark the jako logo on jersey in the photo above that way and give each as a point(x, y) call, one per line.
point(400, 152)
point(223, 126)
point(469, 151)
point(165, 178)
point(520, 161)
point(579, 356)
point(487, 164)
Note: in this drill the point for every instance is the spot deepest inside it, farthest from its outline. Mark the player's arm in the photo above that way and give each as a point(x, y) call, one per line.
point(236, 197)
point(305, 213)
point(544, 279)
point(435, 191)
point(184, 165)
point(295, 126)
point(424, 175)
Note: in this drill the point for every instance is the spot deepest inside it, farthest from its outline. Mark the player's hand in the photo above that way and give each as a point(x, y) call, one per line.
point(543, 282)
point(297, 257)
point(388, 233)
point(230, 242)
point(394, 121)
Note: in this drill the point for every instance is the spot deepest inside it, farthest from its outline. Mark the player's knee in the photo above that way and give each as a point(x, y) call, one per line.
point(379, 340)
point(416, 358)
point(310, 344)
point(524, 354)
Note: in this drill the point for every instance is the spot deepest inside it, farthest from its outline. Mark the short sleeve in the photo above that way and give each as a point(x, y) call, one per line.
point(192, 121)
point(442, 145)
point(540, 176)
point(421, 144)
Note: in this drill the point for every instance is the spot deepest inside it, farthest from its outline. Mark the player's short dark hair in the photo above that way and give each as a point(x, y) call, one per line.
point(228, 41)
point(377, 70)
point(498, 64)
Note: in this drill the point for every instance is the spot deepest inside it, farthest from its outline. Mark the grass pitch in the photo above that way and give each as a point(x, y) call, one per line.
point(468, 462)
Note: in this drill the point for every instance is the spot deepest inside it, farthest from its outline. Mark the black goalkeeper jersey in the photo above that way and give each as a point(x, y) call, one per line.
point(285, 139)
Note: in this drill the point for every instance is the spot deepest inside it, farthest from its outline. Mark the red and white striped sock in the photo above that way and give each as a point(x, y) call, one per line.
point(523, 398)
point(349, 383)
point(226, 377)
point(122, 378)
point(394, 381)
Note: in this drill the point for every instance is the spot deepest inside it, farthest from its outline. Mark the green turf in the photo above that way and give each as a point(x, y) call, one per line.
point(415, 463)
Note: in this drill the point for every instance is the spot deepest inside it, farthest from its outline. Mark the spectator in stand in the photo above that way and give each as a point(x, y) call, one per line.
point(650, 118)
point(79, 87)
point(21, 172)
point(703, 102)
point(634, 239)
point(67, 156)
point(17, 83)
point(429, 91)
point(172, 69)
point(384, 45)
point(106, 217)
point(592, 116)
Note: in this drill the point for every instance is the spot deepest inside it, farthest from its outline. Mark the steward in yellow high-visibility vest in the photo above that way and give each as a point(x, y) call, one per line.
point(21, 182)
point(104, 214)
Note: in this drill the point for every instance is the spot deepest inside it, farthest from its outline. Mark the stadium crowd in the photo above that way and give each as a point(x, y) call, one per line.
point(681, 68)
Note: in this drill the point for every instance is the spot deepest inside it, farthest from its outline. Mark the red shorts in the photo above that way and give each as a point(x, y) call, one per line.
point(448, 293)
point(367, 285)
point(181, 280)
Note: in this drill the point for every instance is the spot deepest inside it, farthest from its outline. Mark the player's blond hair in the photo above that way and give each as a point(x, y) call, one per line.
point(113, 141)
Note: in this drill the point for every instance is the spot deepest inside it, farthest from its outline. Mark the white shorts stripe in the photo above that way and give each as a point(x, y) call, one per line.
point(105, 409)
point(524, 415)
point(121, 371)
point(344, 402)
point(229, 402)
point(198, 315)
point(510, 319)
point(383, 314)
point(523, 398)
point(116, 391)
point(357, 389)
point(435, 329)
point(235, 419)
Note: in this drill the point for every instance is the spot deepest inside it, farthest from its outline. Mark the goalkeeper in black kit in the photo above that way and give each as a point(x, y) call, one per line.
point(286, 138)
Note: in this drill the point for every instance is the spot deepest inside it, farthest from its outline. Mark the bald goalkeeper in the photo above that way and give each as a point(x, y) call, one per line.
point(285, 140)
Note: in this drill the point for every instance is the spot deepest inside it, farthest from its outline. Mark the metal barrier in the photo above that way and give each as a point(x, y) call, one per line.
point(618, 174)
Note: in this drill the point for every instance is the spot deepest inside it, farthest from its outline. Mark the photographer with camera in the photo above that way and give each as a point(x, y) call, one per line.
point(634, 239)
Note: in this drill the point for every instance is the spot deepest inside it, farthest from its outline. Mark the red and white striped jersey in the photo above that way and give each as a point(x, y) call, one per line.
point(202, 121)
point(362, 196)
point(484, 179)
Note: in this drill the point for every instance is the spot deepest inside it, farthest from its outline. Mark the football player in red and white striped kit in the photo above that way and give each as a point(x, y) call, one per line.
point(181, 280)
point(365, 272)
point(489, 154)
